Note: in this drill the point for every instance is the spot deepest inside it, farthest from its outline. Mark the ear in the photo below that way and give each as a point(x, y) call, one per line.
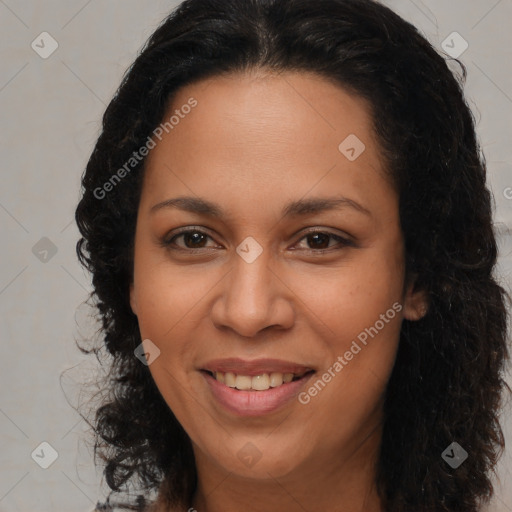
point(133, 302)
point(415, 302)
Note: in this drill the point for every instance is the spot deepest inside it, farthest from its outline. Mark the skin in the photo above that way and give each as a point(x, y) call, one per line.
point(254, 143)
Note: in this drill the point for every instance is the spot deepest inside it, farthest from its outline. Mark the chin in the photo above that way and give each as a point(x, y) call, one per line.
point(262, 464)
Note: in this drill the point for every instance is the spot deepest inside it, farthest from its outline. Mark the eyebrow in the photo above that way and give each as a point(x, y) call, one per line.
point(297, 208)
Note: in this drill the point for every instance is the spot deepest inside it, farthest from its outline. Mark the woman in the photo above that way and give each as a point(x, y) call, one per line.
point(290, 235)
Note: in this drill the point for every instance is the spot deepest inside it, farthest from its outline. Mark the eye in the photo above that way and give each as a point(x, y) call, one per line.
point(192, 239)
point(319, 241)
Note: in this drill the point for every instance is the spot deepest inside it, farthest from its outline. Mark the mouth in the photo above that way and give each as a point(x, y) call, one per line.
point(258, 394)
point(256, 375)
point(254, 388)
point(260, 382)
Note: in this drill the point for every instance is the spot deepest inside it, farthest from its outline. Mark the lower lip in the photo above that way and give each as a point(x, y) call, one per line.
point(254, 403)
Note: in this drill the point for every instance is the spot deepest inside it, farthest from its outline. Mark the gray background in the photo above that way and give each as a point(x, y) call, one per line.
point(51, 110)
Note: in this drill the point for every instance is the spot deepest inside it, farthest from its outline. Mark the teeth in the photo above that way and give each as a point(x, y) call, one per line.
point(243, 382)
point(256, 383)
point(260, 382)
point(229, 379)
point(276, 379)
point(287, 377)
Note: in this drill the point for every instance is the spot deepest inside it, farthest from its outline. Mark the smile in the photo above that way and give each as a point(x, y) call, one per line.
point(254, 388)
point(257, 382)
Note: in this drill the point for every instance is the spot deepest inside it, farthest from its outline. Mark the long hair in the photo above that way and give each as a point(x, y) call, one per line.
point(448, 377)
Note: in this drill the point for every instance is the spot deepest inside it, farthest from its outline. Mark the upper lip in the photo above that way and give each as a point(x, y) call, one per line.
point(255, 367)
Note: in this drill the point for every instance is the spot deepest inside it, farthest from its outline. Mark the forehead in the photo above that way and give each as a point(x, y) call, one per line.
point(257, 133)
point(259, 110)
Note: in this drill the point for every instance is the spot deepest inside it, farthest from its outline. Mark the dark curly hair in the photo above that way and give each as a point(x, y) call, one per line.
point(447, 382)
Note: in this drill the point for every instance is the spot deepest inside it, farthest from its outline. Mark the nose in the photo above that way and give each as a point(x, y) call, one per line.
point(253, 297)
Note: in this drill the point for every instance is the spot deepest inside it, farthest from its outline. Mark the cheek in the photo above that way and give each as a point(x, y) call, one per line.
point(343, 300)
point(167, 295)
point(360, 311)
point(351, 298)
point(166, 301)
point(359, 341)
point(359, 347)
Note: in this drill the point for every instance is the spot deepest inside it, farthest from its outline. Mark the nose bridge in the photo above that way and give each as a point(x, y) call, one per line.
point(251, 299)
point(249, 289)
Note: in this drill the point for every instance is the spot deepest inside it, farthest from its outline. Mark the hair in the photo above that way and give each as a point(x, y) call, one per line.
point(447, 381)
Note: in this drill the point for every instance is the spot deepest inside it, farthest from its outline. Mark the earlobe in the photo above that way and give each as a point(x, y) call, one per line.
point(415, 303)
point(133, 302)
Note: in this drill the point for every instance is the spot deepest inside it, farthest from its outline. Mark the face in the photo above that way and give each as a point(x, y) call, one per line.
point(268, 247)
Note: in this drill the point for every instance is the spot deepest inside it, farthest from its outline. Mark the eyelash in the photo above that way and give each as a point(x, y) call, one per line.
point(169, 243)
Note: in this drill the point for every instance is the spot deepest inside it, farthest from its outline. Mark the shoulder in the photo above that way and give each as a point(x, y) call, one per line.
point(119, 507)
point(140, 504)
point(141, 507)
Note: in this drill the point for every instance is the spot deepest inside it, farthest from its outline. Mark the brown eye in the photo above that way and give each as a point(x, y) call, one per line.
point(321, 241)
point(192, 239)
